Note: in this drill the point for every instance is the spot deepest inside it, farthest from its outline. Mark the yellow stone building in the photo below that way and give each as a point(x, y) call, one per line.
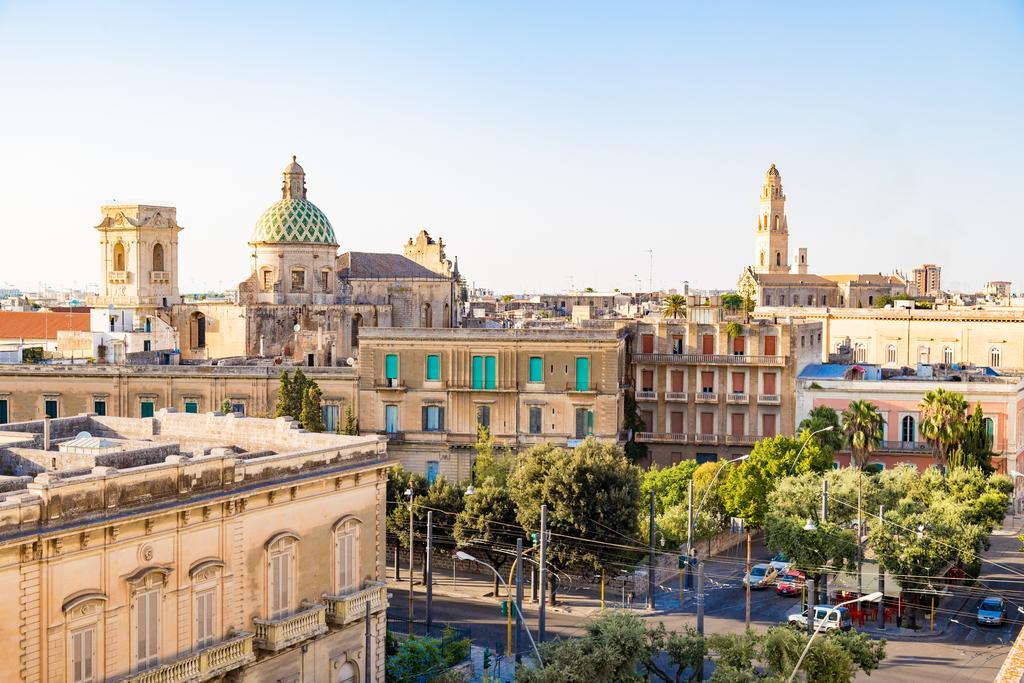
point(190, 548)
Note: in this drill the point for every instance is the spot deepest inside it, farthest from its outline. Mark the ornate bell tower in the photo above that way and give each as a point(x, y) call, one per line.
point(771, 253)
point(139, 254)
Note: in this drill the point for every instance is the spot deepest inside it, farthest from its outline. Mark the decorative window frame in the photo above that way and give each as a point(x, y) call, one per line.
point(152, 577)
point(84, 610)
point(205, 575)
point(268, 547)
point(346, 524)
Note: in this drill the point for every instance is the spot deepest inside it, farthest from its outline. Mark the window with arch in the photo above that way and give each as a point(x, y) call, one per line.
point(348, 673)
point(947, 355)
point(346, 556)
point(205, 576)
point(767, 299)
point(325, 280)
point(924, 354)
point(775, 226)
point(268, 279)
point(762, 258)
point(778, 258)
point(810, 299)
point(83, 613)
point(890, 353)
point(158, 257)
point(447, 312)
point(907, 429)
point(990, 430)
point(146, 588)
point(426, 315)
point(298, 280)
point(859, 353)
point(119, 262)
point(995, 356)
point(281, 575)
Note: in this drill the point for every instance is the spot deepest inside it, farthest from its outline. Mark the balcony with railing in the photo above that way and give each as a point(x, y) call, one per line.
point(578, 388)
point(662, 437)
point(160, 277)
point(741, 439)
point(209, 663)
point(118, 277)
point(707, 359)
point(645, 395)
point(277, 634)
point(675, 396)
point(769, 399)
point(350, 607)
point(912, 447)
point(705, 438)
point(392, 384)
point(467, 385)
point(737, 397)
point(706, 397)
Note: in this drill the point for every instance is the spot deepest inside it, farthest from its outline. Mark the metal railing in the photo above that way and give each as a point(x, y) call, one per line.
point(741, 439)
point(737, 397)
point(662, 437)
point(344, 609)
point(705, 438)
point(208, 663)
point(706, 397)
point(675, 396)
point(389, 384)
point(769, 399)
point(707, 359)
point(647, 395)
point(904, 447)
point(277, 634)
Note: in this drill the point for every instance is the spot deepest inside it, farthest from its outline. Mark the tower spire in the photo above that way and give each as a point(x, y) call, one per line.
point(771, 243)
point(294, 181)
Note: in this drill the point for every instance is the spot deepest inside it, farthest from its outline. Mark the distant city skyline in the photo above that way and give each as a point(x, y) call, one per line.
point(546, 145)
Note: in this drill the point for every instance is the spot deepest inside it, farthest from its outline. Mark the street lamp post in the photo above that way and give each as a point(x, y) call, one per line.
point(870, 597)
point(469, 558)
point(804, 445)
point(409, 493)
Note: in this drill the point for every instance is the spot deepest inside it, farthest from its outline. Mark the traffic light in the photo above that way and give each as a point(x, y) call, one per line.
point(504, 608)
point(487, 659)
point(534, 539)
point(682, 561)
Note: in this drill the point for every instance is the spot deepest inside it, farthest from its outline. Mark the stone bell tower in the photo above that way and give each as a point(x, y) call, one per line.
point(771, 253)
point(138, 256)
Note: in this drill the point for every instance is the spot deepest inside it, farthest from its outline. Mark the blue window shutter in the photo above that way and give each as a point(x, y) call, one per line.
point(478, 372)
point(536, 369)
point(391, 366)
point(582, 374)
point(433, 367)
point(489, 369)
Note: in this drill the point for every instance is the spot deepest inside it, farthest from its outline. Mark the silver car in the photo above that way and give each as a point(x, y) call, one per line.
point(761, 576)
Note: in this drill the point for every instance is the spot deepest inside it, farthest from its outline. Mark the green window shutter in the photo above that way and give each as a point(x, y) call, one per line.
point(440, 419)
point(590, 422)
point(99, 407)
point(489, 368)
point(424, 415)
point(478, 372)
point(391, 366)
point(191, 407)
point(51, 409)
point(4, 417)
point(433, 367)
point(536, 369)
point(146, 409)
point(582, 374)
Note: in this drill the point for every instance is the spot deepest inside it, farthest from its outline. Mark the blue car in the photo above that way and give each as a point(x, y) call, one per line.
point(991, 612)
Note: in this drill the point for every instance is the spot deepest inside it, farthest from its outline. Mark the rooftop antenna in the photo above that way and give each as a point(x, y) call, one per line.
point(650, 274)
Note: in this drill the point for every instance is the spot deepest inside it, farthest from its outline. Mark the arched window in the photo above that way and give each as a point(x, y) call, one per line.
point(346, 556)
point(859, 353)
point(890, 353)
point(776, 226)
point(995, 356)
point(281, 575)
point(268, 279)
point(778, 258)
point(924, 354)
point(357, 322)
point(119, 256)
point(990, 430)
point(947, 355)
point(447, 322)
point(907, 429)
point(197, 330)
point(767, 299)
point(347, 673)
point(158, 257)
point(762, 258)
point(427, 316)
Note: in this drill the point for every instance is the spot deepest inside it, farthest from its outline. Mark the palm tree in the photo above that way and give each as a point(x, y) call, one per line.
point(862, 427)
point(674, 306)
point(943, 417)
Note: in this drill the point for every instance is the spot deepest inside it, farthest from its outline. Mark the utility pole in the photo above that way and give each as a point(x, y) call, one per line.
point(412, 545)
point(689, 534)
point(650, 560)
point(542, 616)
point(881, 577)
point(519, 597)
point(429, 565)
point(700, 614)
point(367, 668)
point(747, 529)
point(650, 273)
point(824, 518)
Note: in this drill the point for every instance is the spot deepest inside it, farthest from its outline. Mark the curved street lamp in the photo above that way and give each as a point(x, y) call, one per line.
point(870, 597)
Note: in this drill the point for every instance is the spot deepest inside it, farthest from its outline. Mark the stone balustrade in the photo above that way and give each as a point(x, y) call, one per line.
point(207, 664)
point(344, 609)
point(277, 634)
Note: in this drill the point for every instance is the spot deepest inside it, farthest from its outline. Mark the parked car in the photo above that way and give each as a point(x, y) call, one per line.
point(826, 618)
point(790, 582)
point(991, 612)
point(761, 576)
point(781, 563)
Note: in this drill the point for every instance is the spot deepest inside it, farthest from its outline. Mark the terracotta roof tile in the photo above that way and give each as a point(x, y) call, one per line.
point(40, 325)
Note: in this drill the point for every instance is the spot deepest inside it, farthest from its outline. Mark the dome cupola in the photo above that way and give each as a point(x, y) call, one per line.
point(293, 218)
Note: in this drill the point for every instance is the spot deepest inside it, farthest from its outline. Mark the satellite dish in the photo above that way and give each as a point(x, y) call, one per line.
point(350, 361)
point(297, 327)
point(83, 435)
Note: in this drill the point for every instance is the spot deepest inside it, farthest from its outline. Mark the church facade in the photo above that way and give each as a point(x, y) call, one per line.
point(302, 299)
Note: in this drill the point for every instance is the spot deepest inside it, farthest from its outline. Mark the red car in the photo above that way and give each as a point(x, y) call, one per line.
point(790, 582)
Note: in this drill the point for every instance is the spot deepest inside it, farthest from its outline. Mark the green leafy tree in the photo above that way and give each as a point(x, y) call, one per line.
point(674, 306)
point(284, 396)
point(975, 447)
point(487, 524)
point(819, 418)
point(943, 416)
point(225, 406)
point(350, 423)
point(311, 417)
point(445, 499)
point(831, 545)
point(426, 659)
point(733, 330)
point(732, 302)
point(632, 423)
point(591, 492)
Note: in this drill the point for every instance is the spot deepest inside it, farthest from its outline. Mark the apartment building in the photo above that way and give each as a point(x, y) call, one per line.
point(705, 394)
point(428, 389)
point(899, 397)
point(191, 547)
point(928, 280)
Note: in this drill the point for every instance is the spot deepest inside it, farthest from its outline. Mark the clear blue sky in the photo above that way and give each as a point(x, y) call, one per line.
point(544, 141)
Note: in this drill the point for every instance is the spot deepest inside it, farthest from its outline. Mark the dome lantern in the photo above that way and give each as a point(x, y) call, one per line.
point(293, 218)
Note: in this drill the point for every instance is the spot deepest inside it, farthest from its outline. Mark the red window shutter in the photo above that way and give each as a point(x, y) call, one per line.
point(769, 426)
point(738, 344)
point(737, 424)
point(707, 381)
point(677, 381)
point(677, 422)
point(738, 383)
point(707, 343)
point(769, 383)
point(647, 380)
point(769, 345)
point(707, 423)
point(647, 343)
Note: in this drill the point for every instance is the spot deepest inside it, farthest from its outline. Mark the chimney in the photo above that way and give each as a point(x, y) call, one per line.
point(46, 433)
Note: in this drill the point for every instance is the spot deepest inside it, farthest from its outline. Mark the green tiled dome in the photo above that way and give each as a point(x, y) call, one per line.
point(293, 220)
